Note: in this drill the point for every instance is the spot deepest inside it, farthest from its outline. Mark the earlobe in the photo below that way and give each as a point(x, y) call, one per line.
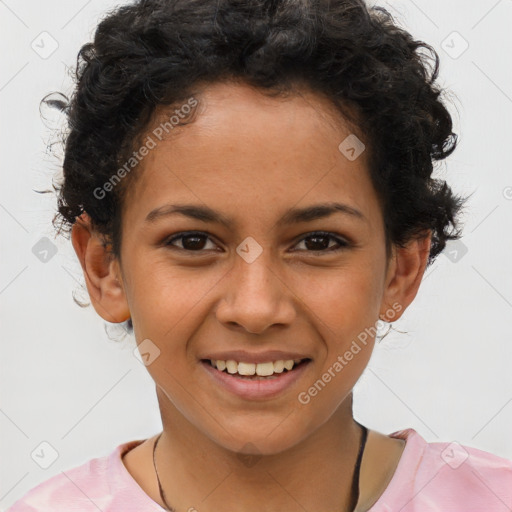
point(404, 279)
point(100, 272)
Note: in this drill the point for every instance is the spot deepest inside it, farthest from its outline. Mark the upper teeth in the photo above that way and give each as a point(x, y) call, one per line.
point(261, 369)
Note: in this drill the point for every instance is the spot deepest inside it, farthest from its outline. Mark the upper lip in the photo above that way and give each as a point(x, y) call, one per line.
point(254, 357)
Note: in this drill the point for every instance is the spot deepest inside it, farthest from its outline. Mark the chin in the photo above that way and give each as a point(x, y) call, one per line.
point(257, 437)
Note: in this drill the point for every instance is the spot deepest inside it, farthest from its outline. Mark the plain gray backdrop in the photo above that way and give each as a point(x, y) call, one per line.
point(65, 383)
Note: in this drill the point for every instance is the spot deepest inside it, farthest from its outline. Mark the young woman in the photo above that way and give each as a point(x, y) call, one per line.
point(249, 186)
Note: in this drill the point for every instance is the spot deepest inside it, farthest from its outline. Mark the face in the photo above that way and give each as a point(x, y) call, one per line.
point(256, 281)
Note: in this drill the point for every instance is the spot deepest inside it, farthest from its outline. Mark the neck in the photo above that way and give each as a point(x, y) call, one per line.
point(316, 474)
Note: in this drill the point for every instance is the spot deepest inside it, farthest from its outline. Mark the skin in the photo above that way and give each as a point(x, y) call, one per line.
point(288, 298)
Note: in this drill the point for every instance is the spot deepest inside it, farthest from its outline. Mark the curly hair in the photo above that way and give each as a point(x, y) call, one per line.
point(156, 52)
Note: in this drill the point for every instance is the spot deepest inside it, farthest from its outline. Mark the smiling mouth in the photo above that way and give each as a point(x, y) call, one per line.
point(260, 371)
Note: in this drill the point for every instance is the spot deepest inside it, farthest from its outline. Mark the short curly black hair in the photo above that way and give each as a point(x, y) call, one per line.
point(156, 52)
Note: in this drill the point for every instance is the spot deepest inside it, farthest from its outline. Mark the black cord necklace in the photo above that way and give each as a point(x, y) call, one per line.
point(355, 478)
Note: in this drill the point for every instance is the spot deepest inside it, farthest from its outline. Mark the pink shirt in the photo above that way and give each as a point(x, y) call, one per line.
point(430, 477)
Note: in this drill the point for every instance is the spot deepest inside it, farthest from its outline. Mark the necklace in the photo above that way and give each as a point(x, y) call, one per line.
point(355, 478)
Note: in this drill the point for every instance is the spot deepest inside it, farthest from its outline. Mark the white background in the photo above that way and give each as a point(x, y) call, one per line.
point(65, 382)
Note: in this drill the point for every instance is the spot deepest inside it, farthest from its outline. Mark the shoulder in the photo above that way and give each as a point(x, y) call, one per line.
point(438, 476)
point(88, 487)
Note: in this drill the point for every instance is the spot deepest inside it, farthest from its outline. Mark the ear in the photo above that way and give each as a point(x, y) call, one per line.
point(404, 276)
point(101, 272)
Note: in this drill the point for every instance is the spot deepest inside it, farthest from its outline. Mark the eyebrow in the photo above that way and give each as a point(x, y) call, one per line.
point(292, 216)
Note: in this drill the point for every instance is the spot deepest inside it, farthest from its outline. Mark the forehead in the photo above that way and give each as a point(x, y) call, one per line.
point(240, 109)
point(245, 151)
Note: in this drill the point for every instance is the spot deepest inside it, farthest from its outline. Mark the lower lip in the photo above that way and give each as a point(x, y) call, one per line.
point(254, 389)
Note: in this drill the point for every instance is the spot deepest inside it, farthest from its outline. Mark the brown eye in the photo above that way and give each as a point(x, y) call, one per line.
point(320, 242)
point(192, 242)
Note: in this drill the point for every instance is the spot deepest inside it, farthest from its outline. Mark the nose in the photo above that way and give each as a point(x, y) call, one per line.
point(256, 297)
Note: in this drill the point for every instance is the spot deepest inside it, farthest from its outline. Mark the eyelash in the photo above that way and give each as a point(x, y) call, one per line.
point(342, 244)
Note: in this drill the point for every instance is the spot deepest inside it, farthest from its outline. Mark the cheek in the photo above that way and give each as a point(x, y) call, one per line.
point(165, 299)
point(344, 307)
point(341, 301)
